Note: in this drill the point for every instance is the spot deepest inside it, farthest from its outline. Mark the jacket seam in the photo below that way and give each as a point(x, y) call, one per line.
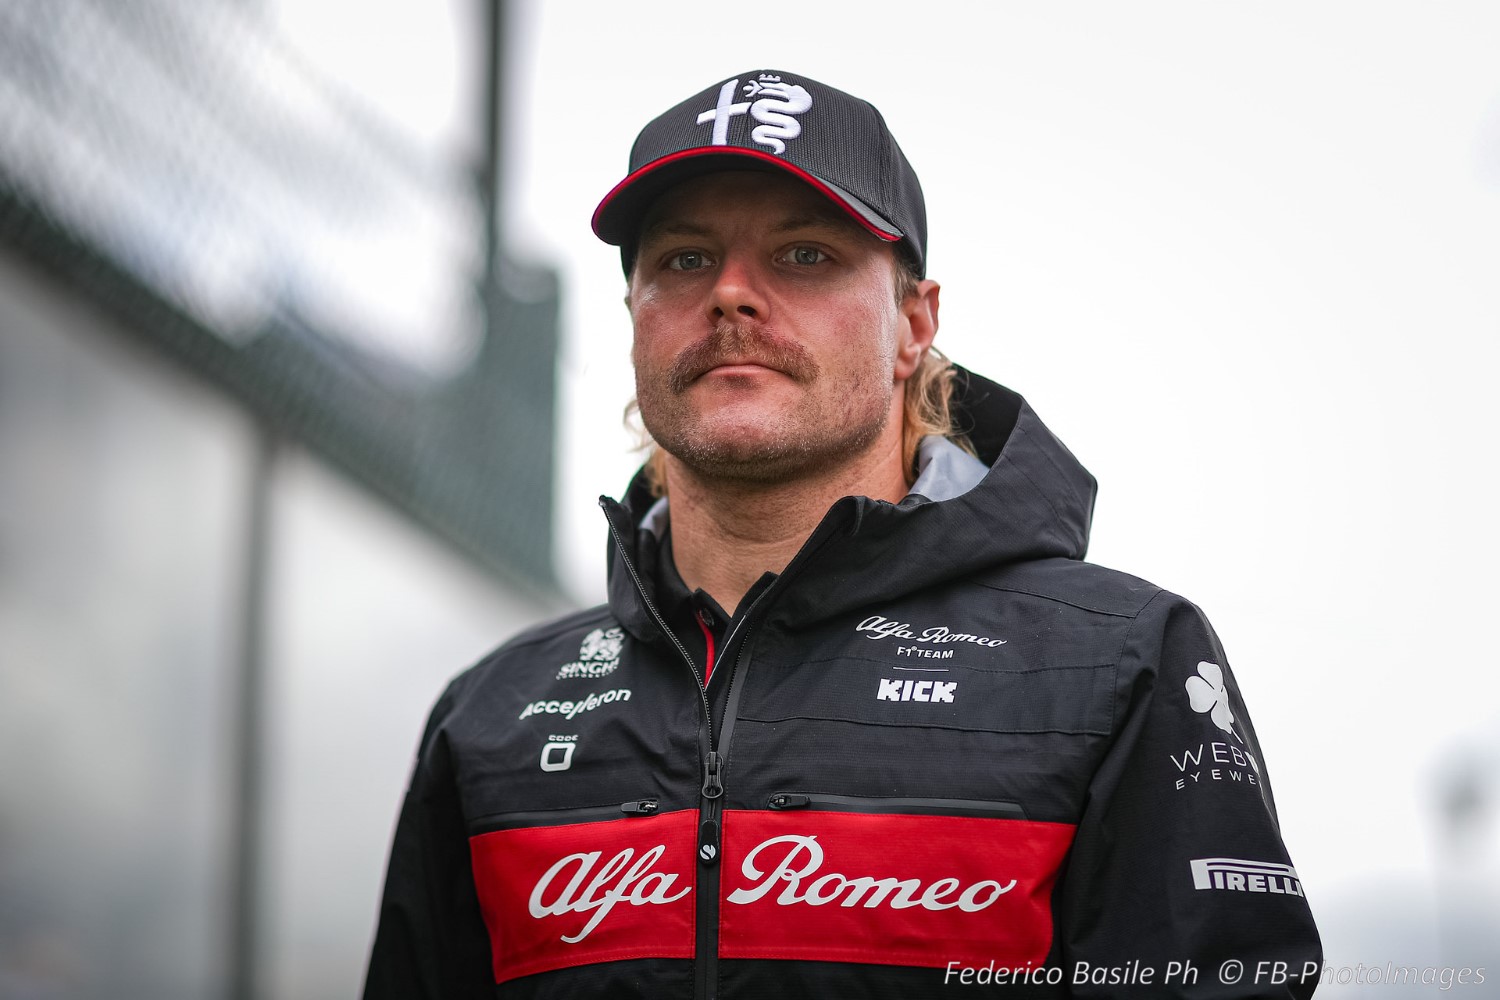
point(1091, 731)
point(1047, 456)
point(548, 633)
point(1072, 604)
point(1034, 487)
point(1106, 662)
point(1125, 644)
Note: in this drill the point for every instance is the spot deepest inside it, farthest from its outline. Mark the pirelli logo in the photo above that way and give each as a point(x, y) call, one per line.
point(1238, 875)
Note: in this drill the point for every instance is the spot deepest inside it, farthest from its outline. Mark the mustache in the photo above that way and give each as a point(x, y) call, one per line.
point(741, 342)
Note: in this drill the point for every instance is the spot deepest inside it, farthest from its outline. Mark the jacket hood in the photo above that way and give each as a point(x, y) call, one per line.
point(1035, 502)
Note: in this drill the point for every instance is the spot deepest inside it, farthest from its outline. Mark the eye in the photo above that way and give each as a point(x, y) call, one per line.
point(688, 260)
point(806, 256)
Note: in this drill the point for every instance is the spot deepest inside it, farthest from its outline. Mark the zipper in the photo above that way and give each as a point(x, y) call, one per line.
point(710, 811)
point(879, 804)
point(661, 623)
point(562, 817)
point(711, 807)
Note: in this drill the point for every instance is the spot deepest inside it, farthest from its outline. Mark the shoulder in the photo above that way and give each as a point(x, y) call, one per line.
point(1081, 585)
point(583, 637)
point(1146, 625)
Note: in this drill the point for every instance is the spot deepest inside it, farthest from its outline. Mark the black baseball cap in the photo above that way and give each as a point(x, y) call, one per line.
point(767, 119)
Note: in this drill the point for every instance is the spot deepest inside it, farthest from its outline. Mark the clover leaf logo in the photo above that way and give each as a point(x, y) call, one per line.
point(1206, 693)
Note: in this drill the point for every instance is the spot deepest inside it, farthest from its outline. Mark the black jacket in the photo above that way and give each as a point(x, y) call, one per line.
point(939, 752)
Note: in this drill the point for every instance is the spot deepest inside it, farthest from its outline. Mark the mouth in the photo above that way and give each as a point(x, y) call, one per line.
point(735, 368)
point(733, 351)
point(723, 373)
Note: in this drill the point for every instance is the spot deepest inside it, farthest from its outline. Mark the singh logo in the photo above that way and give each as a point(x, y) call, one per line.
point(597, 657)
point(773, 111)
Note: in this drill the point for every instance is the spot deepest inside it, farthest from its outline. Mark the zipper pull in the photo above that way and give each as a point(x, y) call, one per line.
point(785, 800)
point(640, 807)
point(708, 842)
point(712, 787)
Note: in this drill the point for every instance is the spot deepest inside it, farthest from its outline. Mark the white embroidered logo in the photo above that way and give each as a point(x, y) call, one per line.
point(866, 890)
point(571, 709)
point(902, 690)
point(598, 656)
point(876, 627)
point(774, 111)
point(1206, 693)
point(580, 884)
point(558, 756)
point(637, 885)
point(1239, 875)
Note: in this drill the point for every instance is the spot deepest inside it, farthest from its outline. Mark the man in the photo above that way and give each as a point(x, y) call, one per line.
point(857, 719)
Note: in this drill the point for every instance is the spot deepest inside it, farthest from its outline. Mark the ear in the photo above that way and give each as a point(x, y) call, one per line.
point(918, 327)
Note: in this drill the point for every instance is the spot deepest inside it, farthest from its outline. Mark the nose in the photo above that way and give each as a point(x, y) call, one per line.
point(737, 291)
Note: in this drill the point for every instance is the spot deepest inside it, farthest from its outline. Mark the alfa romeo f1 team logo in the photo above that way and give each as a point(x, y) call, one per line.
point(774, 109)
point(876, 888)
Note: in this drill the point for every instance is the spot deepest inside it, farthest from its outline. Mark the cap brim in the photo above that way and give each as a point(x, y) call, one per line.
point(619, 215)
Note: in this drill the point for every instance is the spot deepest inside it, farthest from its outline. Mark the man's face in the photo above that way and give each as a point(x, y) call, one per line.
point(767, 334)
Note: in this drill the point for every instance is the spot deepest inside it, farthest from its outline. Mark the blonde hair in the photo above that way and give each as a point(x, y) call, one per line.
point(926, 407)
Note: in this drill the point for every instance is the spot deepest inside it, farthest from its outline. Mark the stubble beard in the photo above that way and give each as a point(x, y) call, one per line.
point(825, 431)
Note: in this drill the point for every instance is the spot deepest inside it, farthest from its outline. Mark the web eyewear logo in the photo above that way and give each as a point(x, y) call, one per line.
point(774, 111)
point(1206, 693)
point(598, 656)
point(1238, 875)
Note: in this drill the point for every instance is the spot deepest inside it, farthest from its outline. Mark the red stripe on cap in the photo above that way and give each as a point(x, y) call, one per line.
point(789, 167)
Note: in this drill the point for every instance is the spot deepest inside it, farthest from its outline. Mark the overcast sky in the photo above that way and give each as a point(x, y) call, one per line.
point(1243, 259)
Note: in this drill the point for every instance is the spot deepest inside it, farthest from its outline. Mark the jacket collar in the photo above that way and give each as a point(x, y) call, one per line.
point(1034, 501)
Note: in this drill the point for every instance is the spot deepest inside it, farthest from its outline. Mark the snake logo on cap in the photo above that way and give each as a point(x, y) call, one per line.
point(774, 111)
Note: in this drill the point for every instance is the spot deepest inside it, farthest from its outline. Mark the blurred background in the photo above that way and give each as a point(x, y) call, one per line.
point(311, 373)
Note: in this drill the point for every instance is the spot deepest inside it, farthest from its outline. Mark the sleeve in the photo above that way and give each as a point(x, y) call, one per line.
point(430, 941)
point(1178, 865)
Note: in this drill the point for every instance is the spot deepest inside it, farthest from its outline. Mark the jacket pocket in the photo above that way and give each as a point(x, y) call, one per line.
point(827, 801)
point(561, 817)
